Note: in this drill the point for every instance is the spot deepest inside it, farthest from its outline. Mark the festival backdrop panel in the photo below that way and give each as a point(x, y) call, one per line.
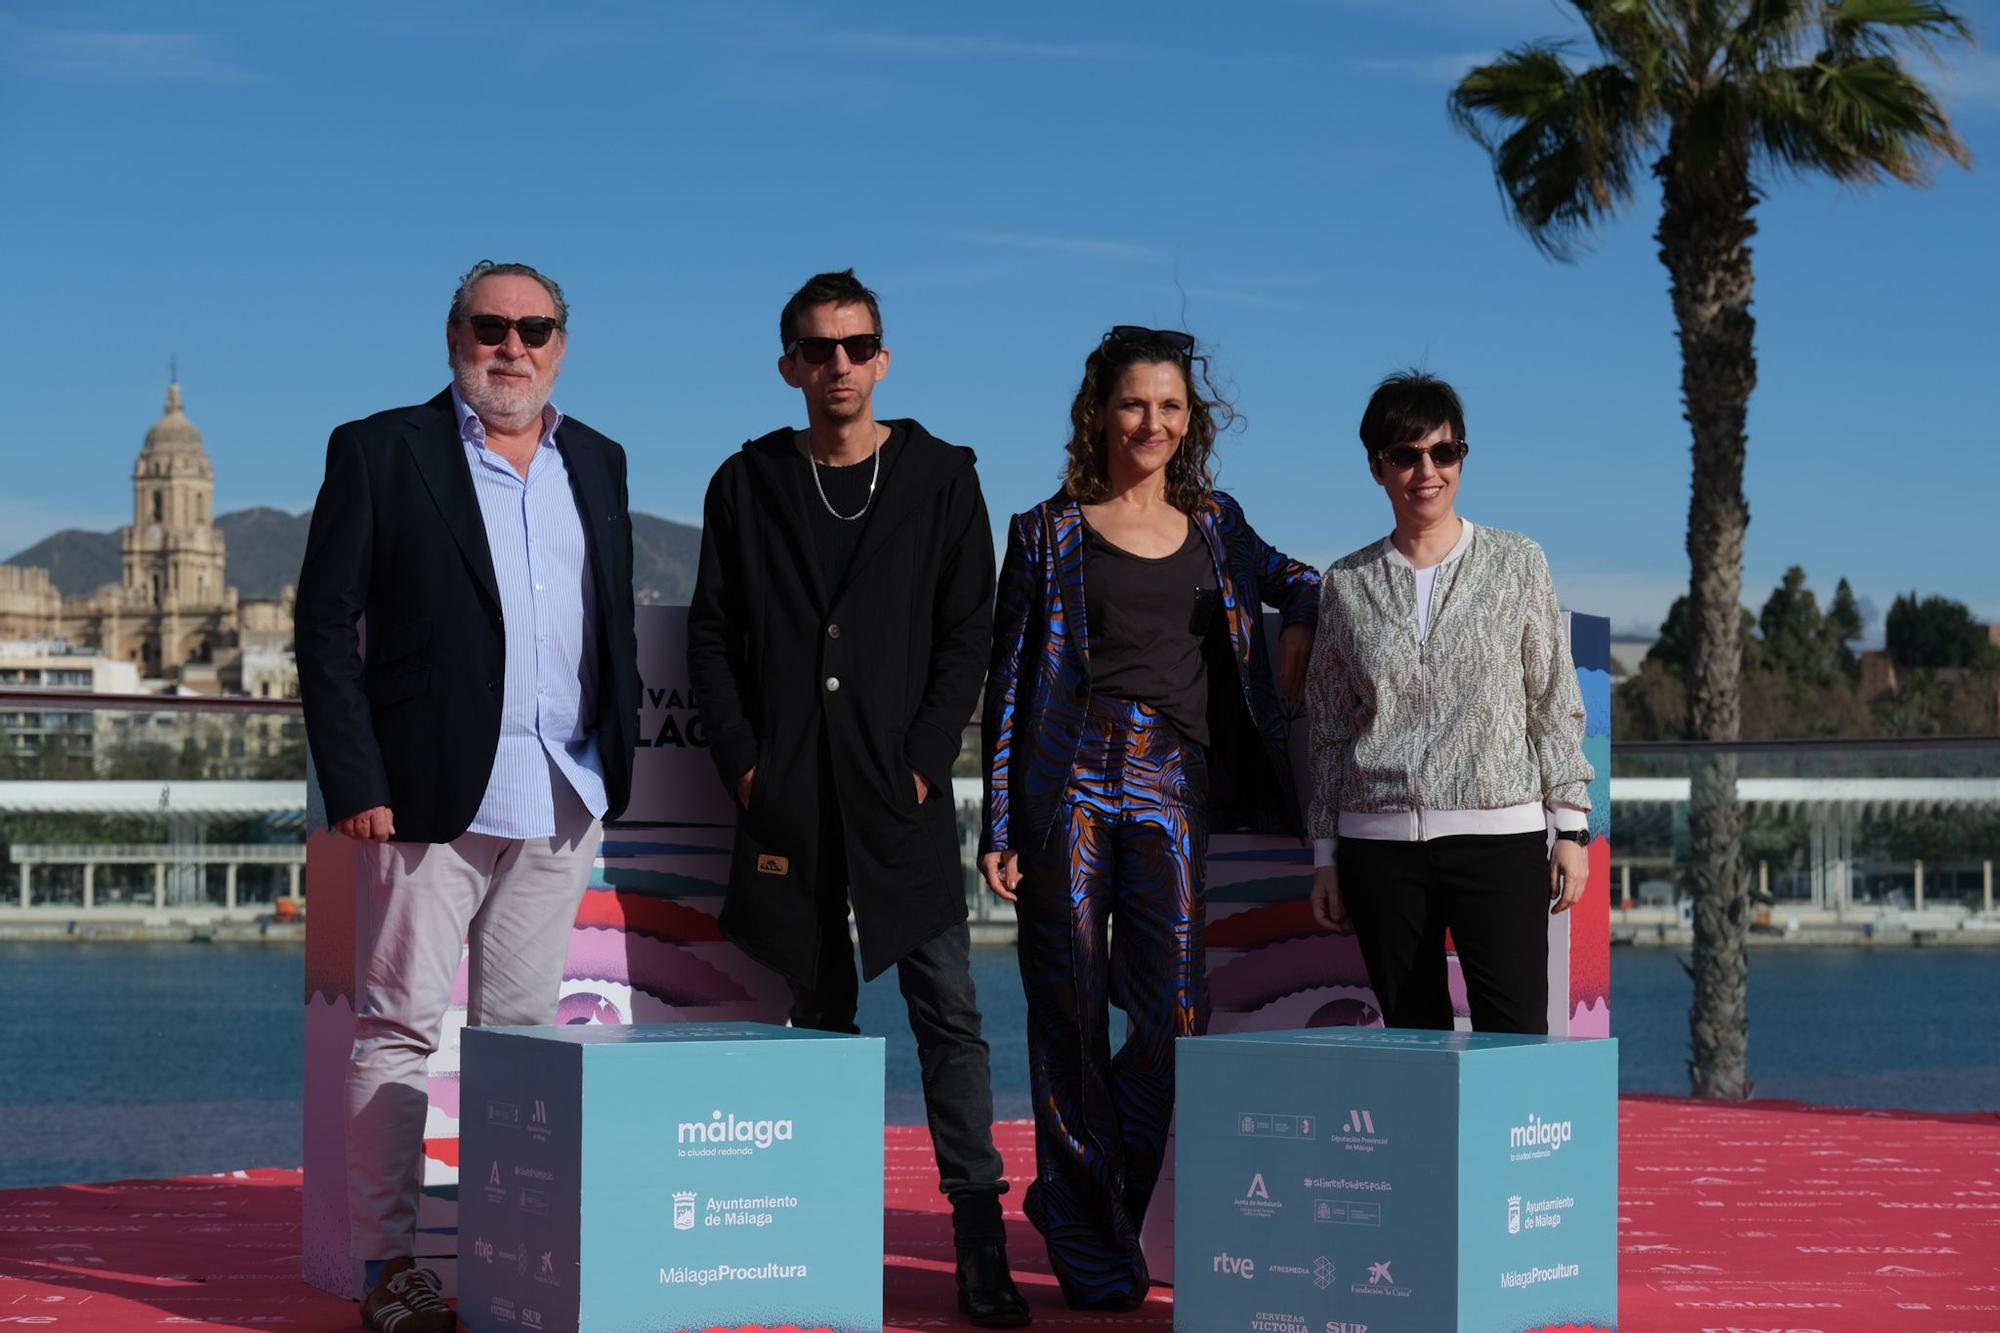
point(644, 1179)
point(1270, 967)
point(1350, 1179)
point(645, 948)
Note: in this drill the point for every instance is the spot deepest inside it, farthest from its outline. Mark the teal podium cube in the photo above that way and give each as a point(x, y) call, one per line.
point(654, 1179)
point(1369, 1180)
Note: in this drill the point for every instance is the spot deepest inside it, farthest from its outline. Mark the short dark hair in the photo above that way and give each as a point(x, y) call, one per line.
point(1406, 406)
point(841, 288)
point(485, 269)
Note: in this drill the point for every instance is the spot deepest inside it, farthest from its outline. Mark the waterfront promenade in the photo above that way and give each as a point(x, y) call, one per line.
point(1765, 1215)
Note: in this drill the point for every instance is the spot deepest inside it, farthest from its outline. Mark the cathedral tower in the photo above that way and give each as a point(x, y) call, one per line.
point(173, 554)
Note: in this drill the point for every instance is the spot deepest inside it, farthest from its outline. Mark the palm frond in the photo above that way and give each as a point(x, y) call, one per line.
point(1564, 144)
point(1874, 27)
point(1774, 32)
point(1641, 36)
point(1857, 118)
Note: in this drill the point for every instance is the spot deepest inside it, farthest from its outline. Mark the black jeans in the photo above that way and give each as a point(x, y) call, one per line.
point(936, 981)
point(1491, 891)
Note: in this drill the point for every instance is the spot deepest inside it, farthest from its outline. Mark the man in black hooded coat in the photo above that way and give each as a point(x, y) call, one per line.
point(837, 640)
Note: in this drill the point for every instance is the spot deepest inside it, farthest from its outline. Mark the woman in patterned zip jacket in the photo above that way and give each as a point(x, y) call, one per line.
point(1130, 710)
point(1447, 739)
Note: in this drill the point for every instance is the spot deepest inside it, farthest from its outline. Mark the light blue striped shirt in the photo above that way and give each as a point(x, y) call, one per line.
point(549, 700)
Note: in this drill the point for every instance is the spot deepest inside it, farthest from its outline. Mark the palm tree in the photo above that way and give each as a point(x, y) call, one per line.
point(1721, 98)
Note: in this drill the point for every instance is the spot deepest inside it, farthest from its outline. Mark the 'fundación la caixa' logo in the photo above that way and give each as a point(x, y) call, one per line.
point(727, 1136)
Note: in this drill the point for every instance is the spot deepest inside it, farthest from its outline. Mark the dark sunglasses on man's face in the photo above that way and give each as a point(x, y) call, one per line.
point(1139, 333)
point(491, 330)
point(818, 351)
point(1443, 454)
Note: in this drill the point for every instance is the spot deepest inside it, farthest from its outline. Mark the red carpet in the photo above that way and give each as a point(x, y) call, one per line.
point(1767, 1216)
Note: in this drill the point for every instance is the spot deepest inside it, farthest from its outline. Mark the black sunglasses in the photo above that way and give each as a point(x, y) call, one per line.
point(1443, 454)
point(1139, 333)
point(859, 347)
point(491, 330)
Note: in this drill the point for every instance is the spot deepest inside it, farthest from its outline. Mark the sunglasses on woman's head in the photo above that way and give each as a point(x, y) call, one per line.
point(818, 351)
point(1139, 333)
point(491, 330)
point(1443, 454)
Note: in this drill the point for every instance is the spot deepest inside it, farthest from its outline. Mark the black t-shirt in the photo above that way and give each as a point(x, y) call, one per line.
point(1148, 618)
point(847, 491)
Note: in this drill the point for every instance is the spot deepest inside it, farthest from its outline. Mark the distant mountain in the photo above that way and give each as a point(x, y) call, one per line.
point(78, 562)
point(262, 549)
point(664, 557)
point(265, 546)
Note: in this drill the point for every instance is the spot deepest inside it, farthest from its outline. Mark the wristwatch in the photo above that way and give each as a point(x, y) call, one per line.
point(1579, 836)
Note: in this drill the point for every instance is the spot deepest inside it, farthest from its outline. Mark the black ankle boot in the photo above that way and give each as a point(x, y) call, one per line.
point(986, 1291)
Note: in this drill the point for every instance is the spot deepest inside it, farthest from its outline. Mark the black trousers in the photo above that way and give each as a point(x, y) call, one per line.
point(936, 981)
point(1491, 891)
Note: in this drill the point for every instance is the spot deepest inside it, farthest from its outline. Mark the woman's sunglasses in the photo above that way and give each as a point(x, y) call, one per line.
point(491, 330)
point(1139, 333)
point(1443, 454)
point(818, 351)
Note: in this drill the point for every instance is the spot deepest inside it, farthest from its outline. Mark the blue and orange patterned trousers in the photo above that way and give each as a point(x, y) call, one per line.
point(1129, 847)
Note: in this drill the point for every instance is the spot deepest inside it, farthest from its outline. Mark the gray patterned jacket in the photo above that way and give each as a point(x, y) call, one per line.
point(1482, 713)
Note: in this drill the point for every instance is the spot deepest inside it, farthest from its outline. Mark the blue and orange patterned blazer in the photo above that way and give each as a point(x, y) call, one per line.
point(1038, 687)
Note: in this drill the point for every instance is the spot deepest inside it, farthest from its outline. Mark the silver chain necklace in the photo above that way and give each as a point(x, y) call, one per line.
point(874, 475)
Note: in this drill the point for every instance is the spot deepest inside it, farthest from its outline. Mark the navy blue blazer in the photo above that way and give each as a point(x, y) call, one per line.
point(397, 537)
point(1038, 685)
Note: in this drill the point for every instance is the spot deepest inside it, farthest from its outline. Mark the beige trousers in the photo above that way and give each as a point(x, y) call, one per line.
point(512, 902)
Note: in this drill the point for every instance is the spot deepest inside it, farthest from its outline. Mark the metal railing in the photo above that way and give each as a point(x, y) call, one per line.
point(1858, 825)
point(140, 853)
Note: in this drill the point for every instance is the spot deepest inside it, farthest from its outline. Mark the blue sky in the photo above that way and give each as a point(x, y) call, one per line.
point(283, 196)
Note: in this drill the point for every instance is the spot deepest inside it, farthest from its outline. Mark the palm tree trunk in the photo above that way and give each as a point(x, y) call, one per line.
point(1704, 235)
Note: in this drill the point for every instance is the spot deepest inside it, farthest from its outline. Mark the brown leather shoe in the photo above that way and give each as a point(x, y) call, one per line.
point(407, 1301)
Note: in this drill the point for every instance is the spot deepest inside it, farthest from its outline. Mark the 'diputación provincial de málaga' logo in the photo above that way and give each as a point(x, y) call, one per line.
point(1357, 1132)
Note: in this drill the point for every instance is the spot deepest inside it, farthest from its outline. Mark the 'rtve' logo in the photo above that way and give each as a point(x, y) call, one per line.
point(1243, 1268)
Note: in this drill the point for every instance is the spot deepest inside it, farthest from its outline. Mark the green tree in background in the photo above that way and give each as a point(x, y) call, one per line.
point(1801, 677)
point(1718, 98)
point(1801, 643)
point(1935, 632)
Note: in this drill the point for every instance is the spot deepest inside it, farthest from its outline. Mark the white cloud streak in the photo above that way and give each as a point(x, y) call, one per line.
point(1442, 70)
point(1970, 80)
point(920, 46)
point(125, 57)
point(1081, 246)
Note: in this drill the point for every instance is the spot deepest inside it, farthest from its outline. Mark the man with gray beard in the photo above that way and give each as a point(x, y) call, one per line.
point(470, 679)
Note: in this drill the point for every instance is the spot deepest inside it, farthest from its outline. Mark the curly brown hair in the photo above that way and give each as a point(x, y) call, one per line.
point(1190, 478)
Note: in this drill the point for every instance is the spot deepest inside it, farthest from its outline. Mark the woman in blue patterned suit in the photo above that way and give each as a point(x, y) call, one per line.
point(1130, 710)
